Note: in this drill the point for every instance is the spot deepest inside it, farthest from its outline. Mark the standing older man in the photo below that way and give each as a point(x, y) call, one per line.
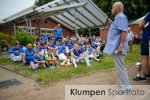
point(117, 44)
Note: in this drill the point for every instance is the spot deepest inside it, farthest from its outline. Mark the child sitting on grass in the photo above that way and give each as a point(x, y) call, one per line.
point(53, 47)
point(50, 59)
point(95, 51)
point(36, 61)
point(42, 49)
point(77, 55)
point(62, 57)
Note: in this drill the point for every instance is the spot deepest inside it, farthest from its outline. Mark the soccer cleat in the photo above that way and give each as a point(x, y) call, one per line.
point(89, 65)
point(35, 70)
point(75, 66)
point(139, 78)
point(62, 64)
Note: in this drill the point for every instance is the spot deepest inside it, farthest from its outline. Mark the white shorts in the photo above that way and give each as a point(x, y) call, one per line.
point(62, 57)
point(36, 65)
point(67, 50)
point(16, 58)
point(91, 55)
point(76, 60)
point(42, 51)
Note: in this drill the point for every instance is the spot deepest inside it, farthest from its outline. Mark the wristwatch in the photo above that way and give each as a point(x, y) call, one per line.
point(121, 45)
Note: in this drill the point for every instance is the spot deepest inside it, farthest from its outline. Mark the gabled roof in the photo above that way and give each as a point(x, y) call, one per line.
point(18, 14)
point(70, 13)
point(138, 20)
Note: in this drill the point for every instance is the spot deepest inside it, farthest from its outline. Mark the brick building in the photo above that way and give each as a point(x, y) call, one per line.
point(134, 28)
point(37, 25)
point(72, 15)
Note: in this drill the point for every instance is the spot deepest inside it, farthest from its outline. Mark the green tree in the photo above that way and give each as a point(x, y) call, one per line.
point(5, 41)
point(42, 2)
point(24, 38)
point(1, 38)
point(134, 9)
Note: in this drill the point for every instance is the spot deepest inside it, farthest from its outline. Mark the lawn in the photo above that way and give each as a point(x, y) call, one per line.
point(52, 75)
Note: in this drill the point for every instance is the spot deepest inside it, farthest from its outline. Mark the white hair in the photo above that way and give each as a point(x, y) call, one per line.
point(120, 5)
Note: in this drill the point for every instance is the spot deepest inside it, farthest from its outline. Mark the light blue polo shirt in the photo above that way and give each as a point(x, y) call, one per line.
point(119, 25)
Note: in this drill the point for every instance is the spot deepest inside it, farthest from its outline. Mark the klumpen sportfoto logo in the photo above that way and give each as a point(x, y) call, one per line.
point(107, 92)
point(110, 92)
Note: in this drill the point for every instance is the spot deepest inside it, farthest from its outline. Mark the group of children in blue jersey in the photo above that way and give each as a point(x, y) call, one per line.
point(48, 52)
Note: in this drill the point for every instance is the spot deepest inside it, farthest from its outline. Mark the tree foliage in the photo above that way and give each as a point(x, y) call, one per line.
point(5, 40)
point(24, 38)
point(42, 2)
point(134, 9)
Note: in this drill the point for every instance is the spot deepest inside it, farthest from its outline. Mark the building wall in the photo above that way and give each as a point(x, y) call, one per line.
point(134, 28)
point(103, 33)
point(38, 24)
point(7, 30)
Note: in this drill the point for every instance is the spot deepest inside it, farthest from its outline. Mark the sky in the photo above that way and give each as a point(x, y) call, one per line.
point(10, 7)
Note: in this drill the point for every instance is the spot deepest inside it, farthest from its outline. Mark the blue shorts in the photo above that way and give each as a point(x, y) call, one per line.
point(144, 47)
point(28, 61)
point(57, 38)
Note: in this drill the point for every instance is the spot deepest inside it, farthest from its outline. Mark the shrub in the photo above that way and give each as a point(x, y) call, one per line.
point(9, 39)
point(5, 41)
point(2, 36)
point(24, 38)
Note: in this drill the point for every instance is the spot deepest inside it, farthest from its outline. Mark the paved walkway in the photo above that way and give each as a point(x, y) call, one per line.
point(26, 84)
point(29, 91)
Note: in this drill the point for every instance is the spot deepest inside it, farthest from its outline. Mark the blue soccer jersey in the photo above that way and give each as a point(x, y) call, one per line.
point(13, 50)
point(58, 32)
point(61, 50)
point(70, 45)
point(44, 38)
point(77, 52)
point(94, 46)
point(37, 58)
point(85, 49)
point(29, 53)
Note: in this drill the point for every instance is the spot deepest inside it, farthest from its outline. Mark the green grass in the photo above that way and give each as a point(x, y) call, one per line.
point(52, 75)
